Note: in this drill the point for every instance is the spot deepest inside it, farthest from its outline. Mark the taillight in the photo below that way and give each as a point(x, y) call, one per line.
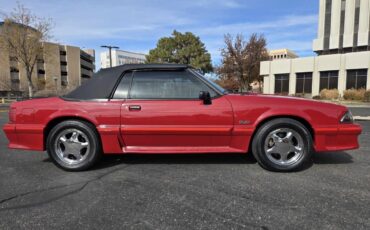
point(12, 114)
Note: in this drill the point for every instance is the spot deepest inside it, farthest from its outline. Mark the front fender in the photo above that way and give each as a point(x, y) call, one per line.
point(72, 113)
point(275, 113)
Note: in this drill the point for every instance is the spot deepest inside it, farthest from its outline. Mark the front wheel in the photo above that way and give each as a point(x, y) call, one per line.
point(74, 145)
point(283, 145)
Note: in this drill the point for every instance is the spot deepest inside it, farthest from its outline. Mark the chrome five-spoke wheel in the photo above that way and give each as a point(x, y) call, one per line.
point(284, 146)
point(72, 146)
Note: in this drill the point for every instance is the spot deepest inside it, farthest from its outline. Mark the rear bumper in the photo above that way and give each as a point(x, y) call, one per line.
point(343, 137)
point(27, 137)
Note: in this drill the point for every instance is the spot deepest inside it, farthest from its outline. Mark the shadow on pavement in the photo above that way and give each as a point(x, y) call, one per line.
point(180, 159)
point(108, 161)
point(112, 160)
point(332, 158)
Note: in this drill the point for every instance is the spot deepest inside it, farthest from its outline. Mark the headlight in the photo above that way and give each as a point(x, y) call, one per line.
point(347, 118)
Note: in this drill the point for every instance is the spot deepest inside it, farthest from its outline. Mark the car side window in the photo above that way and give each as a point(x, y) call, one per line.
point(123, 87)
point(167, 85)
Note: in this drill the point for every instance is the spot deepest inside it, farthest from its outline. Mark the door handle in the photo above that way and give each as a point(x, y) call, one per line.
point(134, 108)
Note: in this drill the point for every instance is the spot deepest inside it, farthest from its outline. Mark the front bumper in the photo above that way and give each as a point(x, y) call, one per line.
point(25, 136)
point(340, 138)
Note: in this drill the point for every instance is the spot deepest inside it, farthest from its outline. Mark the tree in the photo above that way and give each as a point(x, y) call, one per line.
point(181, 48)
point(22, 35)
point(229, 83)
point(241, 59)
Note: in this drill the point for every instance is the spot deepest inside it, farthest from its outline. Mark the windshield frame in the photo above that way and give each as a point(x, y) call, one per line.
point(210, 83)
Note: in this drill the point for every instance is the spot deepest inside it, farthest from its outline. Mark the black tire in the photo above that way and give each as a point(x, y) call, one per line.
point(269, 161)
point(91, 155)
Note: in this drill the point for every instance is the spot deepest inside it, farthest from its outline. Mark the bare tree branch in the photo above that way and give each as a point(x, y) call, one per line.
point(241, 61)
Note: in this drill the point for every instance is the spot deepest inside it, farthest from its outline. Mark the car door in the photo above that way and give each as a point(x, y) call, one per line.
point(163, 113)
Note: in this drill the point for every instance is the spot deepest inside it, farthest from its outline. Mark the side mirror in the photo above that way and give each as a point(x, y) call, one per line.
point(206, 97)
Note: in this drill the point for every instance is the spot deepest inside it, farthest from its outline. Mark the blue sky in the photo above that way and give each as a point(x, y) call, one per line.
point(136, 25)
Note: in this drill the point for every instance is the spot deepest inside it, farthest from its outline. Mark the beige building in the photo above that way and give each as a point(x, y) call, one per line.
point(343, 49)
point(282, 54)
point(62, 68)
point(121, 57)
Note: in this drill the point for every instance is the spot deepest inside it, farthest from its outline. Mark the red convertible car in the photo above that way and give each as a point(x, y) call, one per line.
point(173, 109)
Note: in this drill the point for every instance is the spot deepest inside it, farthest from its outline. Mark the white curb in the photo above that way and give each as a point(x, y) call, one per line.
point(361, 118)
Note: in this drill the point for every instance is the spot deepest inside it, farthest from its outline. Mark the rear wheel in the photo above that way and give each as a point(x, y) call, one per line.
point(282, 144)
point(74, 145)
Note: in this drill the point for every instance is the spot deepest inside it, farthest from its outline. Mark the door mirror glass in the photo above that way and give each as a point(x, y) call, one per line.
point(206, 97)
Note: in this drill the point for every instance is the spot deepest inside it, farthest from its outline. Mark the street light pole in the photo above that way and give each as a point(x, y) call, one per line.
point(110, 52)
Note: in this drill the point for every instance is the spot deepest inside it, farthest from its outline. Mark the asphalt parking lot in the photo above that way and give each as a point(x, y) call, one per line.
point(185, 192)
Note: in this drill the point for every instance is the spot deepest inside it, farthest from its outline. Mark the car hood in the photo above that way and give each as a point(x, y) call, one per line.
point(272, 105)
point(287, 100)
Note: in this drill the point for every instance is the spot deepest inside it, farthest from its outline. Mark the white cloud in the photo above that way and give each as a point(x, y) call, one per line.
point(219, 3)
point(261, 27)
point(137, 24)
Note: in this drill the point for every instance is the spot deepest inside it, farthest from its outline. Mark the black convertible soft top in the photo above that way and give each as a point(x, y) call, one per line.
point(101, 85)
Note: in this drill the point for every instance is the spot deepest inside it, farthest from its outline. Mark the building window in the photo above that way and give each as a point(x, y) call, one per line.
point(282, 84)
point(41, 76)
point(357, 22)
point(356, 79)
point(342, 18)
point(64, 80)
point(329, 80)
point(14, 77)
point(304, 83)
point(327, 26)
point(14, 70)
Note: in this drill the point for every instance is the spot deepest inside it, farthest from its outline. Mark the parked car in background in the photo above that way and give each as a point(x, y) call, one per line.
point(172, 109)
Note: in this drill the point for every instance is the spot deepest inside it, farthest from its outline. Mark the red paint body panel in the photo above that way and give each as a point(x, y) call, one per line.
point(180, 126)
point(177, 123)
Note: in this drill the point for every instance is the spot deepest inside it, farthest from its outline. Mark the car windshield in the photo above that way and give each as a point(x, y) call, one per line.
point(214, 84)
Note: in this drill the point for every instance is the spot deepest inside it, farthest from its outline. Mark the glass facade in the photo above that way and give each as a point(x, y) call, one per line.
point(356, 79)
point(282, 84)
point(342, 18)
point(124, 59)
point(329, 80)
point(327, 26)
point(357, 23)
point(304, 83)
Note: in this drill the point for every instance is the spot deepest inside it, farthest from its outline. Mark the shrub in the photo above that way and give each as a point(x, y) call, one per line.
point(298, 95)
point(354, 94)
point(367, 96)
point(329, 94)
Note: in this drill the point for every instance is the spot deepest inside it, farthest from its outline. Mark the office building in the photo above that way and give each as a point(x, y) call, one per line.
point(121, 57)
point(61, 68)
point(343, 54)
point(282, 54)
